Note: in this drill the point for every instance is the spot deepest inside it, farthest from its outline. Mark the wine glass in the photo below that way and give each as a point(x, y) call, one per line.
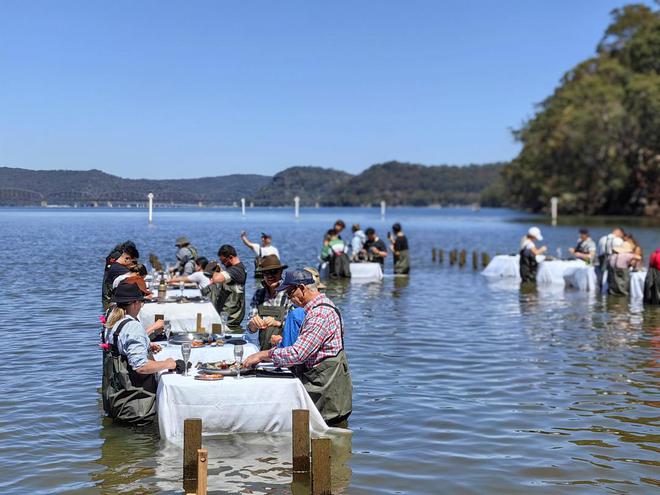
point(167, 327)
point(224, 318)
point(181, 287)
point(185, 352)
point(238, 357)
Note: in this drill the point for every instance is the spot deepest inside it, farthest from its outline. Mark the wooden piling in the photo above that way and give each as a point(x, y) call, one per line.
point(199, 322)
point(216, 328)
point(452, 256)
point(202, 471)
point(441, 256)
point(300, 440)
point(475, 260)
point(192, 442)
point(485, 259)
point(433, 255)
point(321, 453)
point(463, 258)
point(159, 317)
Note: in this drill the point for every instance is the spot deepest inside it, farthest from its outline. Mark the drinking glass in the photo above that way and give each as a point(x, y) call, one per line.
point(185, 352)
point(224, 318)
point(238, 357)
point(167, 327)
point(181, 287)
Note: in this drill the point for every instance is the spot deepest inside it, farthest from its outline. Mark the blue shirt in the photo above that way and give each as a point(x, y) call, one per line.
point(292, 326)
point(133, 342)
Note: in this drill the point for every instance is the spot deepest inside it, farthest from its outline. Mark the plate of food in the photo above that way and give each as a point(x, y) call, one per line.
point(209, 377)
point(226, 368)
point(197, 343)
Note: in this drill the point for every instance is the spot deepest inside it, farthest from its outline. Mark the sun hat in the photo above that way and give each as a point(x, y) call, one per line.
point(210, 268)
point(127, 292)
point(181, 241)
point(316, 276)
point(293, 278)
point(271, 262)
point(625, 247)
point(535, 232)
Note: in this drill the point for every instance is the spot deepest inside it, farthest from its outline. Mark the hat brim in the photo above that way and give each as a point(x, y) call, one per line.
point(276, 267)
point(124, 300)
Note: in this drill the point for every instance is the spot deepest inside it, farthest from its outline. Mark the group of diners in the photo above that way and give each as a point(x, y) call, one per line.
point(614, 257)
point(291, 321)
point(364, 246)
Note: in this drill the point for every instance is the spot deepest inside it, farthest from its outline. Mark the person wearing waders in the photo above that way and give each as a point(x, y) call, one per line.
point(652, 280)
point(186, 254)
point(129, 370)
point(317, 357)
point(528, 253)
point(399, 247)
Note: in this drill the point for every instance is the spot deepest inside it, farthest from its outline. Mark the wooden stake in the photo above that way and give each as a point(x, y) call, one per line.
point(199, 322)
point(216, 327)
point(192, 442)
point(300, 440)
point(321, 453)
point(475, 260)
point(463, 258)
point(441, 256)
point(433, 255)
point(202, 471)
point(452, 257)
point(485, 259)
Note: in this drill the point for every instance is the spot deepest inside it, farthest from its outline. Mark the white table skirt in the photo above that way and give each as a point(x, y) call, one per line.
point(248, 405)
point(183, 317)
point(582, 278)
point(206, 354)
point(552, 272)
point(503, 266)
point(637, 284)
point(371, 271)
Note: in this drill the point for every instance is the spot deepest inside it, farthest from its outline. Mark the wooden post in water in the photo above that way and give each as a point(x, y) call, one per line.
point(475, 260)
point(321, 453)
point(485, 259)
point(441, 256)
point(300, 441)
point(198, 326)
point(202, 471)
point(463, 258)
point(453, 254)
point(216, 327)
point(433, 255)
point(192, 442)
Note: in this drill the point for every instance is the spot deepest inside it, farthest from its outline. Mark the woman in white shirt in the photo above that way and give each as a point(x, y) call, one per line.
point(197, 276)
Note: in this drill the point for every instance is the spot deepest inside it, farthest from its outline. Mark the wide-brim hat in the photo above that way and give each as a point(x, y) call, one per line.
point(181, 241)
point(127, 292)
point(211, 267)
point(316, 276)
point(626, 247)
point(271, 262)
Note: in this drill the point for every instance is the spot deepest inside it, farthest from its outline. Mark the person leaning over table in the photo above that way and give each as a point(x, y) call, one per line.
point(198, 277)
point(585, 249)
point(528, 265)
point(268, 308)
point(227, 287)
point(129, 370)
point(119, 262)
point(317, 357)
point(375, 247)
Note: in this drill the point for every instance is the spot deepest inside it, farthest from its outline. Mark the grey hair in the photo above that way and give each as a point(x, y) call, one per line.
point(311, 287)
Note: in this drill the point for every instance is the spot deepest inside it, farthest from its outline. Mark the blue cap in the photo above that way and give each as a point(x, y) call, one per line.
point(294, 278)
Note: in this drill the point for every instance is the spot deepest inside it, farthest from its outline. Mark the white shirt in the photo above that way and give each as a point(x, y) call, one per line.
point(262, 251)
point(200, 279)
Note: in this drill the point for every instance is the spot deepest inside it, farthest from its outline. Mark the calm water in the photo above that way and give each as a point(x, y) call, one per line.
point(460, 386)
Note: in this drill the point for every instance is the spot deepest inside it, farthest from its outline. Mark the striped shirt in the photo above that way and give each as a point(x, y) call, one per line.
point(320, 337)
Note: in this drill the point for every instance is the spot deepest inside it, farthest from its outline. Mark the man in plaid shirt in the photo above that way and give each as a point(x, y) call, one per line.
point(318, 355)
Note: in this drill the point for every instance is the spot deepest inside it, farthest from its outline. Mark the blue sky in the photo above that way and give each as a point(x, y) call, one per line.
point(165, 89)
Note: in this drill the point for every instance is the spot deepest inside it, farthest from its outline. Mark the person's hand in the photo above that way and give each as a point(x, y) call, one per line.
point(275, 340)
point(243, 233)
point(256, 323)
point(155, 348)
point(270, 321)
point(216, 278)
point(155, 327)
point(254, 359)
point(571, 250)
point(169, 363)
point(544, 249)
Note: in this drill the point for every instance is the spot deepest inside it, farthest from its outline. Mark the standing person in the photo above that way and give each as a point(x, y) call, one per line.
point(317, 356)
point(637, 263)
point(399, 246)
point(129, 370)
point(585, 249)
point(375, 247)
point(357, 242)
point(198, 276)
point(266, 248)
point(334, 252)
point(118, 262)
point(269, 307)
point(606, 245)
point(186, 254)
point(652, 280)
point(618, 271)
point(227, 287)
point(528, 254)
point(339, 227)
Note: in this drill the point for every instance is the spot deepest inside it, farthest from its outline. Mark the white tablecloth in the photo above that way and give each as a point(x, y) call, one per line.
point(582, 278)
point(503, 266)
point(371, 271)
point(183, 316)
point(207, 354)
point(552, 272)
point(637, 285)
point(247, 405)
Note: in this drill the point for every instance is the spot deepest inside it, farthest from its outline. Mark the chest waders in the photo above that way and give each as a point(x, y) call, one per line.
point(528, 266)
point(128, 396)
point(277, 312)
point(232, 300)
point(618, 280)
point(402, 263)
point(652, 286)
point(257, 265)
point(339, 266)
point(329, 383)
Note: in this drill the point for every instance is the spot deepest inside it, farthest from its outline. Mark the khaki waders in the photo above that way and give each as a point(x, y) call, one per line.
point(402, 263)
point(277, 312)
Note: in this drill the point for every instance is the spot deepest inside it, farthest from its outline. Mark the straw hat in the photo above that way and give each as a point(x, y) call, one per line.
point(626, 247)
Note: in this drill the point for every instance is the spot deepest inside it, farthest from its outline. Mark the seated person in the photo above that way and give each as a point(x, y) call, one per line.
point(129, 370)
point(585, 249)
point(375, 247)
point(335, 253)
point(198, 276)
point(618, 272)
point(268, 307)
point(528, 254)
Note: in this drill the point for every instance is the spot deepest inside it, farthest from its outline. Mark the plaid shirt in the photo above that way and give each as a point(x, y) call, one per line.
point(319, 338)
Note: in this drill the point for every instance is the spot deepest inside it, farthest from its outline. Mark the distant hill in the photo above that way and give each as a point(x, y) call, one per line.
point(395, 182)
point(415, 185)
point(20, 186)
point(311, 184)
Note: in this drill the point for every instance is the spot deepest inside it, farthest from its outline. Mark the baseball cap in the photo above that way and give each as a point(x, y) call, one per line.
point(535, 232)
point(293, 278)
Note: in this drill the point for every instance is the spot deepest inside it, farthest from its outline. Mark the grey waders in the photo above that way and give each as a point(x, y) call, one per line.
point(128, 396)
point(652, 286)
point(402, 263)
point(618, 280)
point(329, 383)
point(528, 266)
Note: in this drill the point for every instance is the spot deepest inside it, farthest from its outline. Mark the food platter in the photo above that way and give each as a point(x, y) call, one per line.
point(209, 377)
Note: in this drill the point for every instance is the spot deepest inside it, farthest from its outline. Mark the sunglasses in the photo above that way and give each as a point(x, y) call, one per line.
point(269, 273)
